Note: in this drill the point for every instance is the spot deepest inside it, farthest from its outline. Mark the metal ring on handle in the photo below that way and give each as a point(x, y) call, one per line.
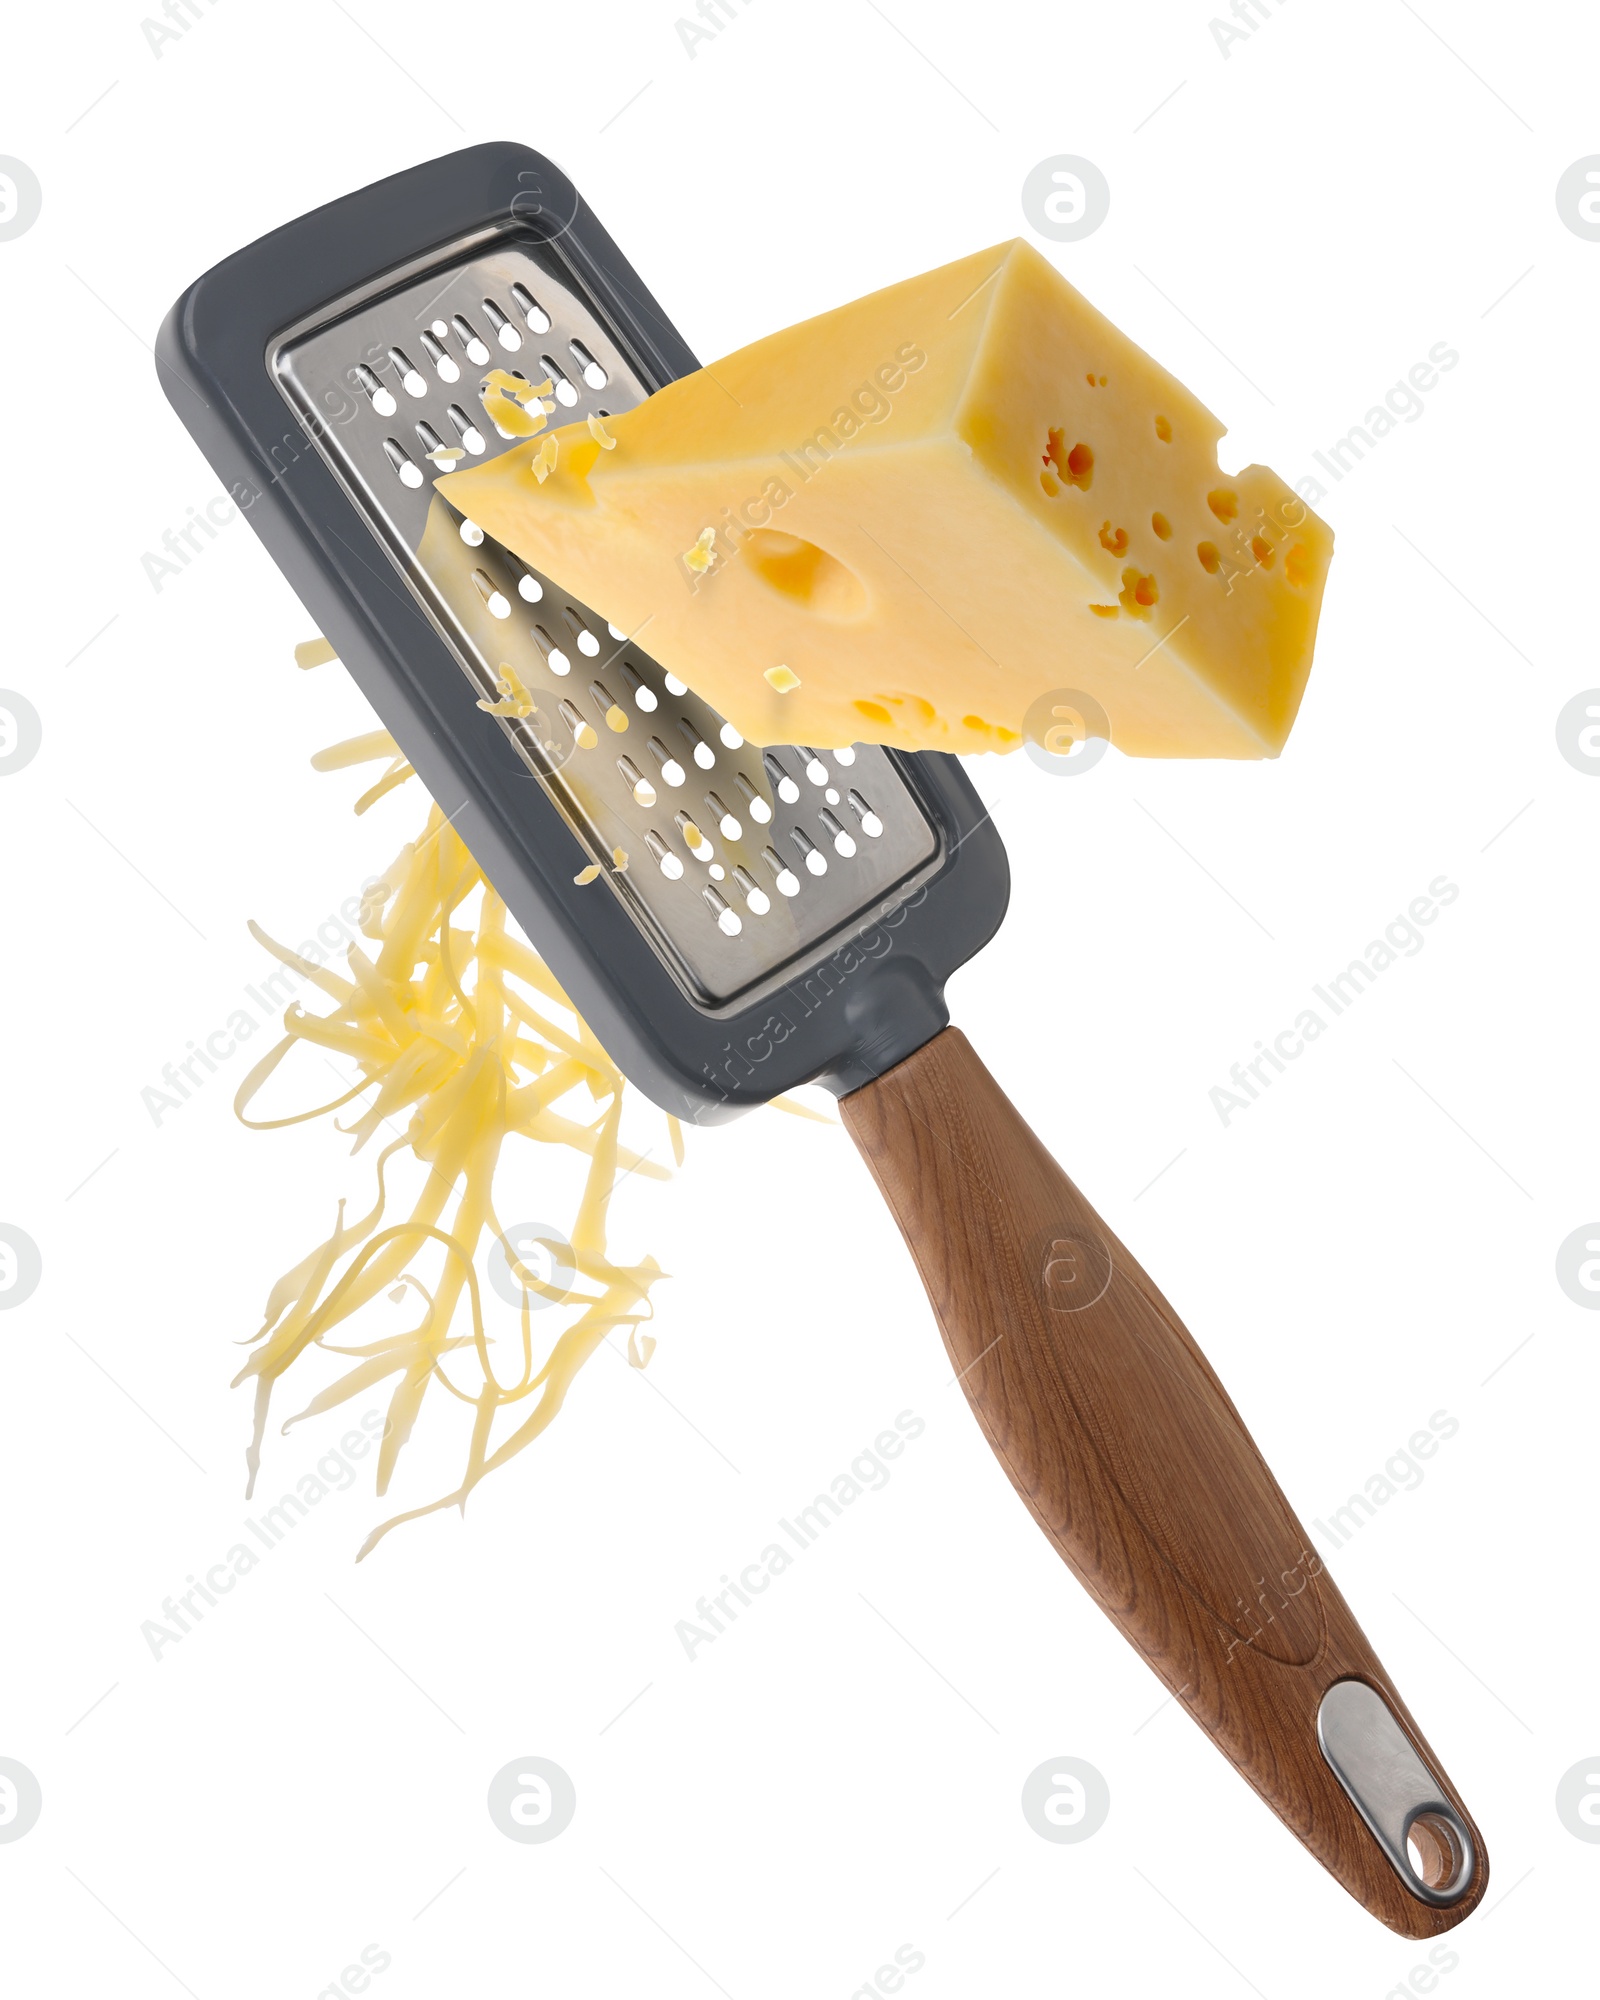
point(1392, 1788)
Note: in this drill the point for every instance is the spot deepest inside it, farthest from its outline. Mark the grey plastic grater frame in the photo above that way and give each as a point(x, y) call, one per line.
point(848, 1001)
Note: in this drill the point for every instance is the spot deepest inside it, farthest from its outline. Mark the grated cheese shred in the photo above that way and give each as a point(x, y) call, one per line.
point(514, 697)
point(515, 405)
point(463, 1043)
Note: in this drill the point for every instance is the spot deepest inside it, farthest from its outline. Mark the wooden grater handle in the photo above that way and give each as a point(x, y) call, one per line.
point(1136, 1464)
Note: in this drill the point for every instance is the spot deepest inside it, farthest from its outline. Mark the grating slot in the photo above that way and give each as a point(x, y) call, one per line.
point(412, 379)
point(531, 310)
point(376, 394)
point(616, 716)
point(871, 825)
point(507, 335)
point(565, 393)
point(494, 598)
point(756, 898)
point(788, 882)
point(465, 429)
point(591, 371)
point(669, 863)
point(816, 862)
point(671, 769)
point(644, 696)
point(724, 820)
point(699, 749)
point(722, 907)
point(445, 365)
point(467, 334)
point(583, 731)
point(409, 472)
point(644, 793)
point(785, 787)
point(843, 843)
point(726, 915)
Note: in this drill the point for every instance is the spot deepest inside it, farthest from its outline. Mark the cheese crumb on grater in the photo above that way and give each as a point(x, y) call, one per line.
point(514, 697)
point(701, 556)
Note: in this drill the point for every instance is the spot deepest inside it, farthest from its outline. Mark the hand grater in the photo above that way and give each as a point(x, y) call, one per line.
point(769, 916)
point(318, 369)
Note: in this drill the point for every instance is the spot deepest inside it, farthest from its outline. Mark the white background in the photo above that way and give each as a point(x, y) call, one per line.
point(838, 1775)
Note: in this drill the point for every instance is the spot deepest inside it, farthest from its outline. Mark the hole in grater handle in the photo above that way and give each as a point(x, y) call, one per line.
point(1436, 1850)
point(1423, 1837)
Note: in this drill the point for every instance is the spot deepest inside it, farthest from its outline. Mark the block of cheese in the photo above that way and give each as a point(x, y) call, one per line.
point(910, 519)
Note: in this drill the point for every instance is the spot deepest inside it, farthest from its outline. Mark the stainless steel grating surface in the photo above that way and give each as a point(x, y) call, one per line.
point(739, 861)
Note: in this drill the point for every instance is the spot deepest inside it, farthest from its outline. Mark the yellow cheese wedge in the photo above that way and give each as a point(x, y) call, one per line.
point(909, 520)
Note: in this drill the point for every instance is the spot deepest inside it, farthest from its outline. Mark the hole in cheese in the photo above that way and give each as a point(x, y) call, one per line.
point(1138, 593)
point(803, 573)
point(1075, 466)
